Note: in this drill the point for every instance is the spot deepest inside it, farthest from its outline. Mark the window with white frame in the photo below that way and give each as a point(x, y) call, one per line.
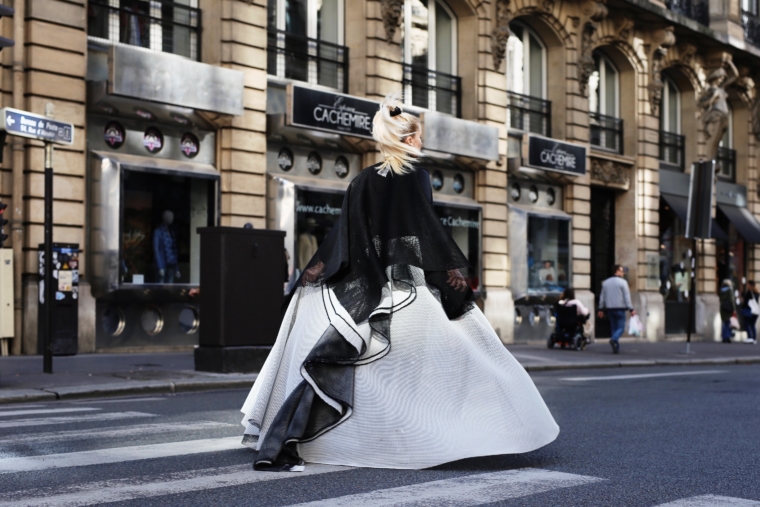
point(526, 81)
point(671, 140)
point(305, 41)
point(606, 128)
point(430, 56)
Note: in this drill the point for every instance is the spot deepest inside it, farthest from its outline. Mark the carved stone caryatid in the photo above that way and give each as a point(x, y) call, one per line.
point(500, 33)
point(391, 10)
point(593, 13)
point(624, 27)
point(714, 104)
point(609, 172)
point(663, 40)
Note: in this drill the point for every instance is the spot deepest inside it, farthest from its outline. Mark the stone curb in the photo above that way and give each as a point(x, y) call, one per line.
point(634, 363)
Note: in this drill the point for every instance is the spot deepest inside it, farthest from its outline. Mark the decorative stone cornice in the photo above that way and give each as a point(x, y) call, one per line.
point(391, 11)
point(500, 33)
point(610, 173)
point(663, 40)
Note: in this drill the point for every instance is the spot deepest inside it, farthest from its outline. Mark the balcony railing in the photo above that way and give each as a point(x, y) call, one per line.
point(725, 164)
point(530, 114)
point(156, 24)
point(305, 59)
point(751, 24)
point(433, 90)
point(672, 148)
point(606, 132)
point(698, 10)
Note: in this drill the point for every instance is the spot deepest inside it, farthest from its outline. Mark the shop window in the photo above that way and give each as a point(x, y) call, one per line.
point(464, 226)
point(730, 254)
point(159, 241)
point(305, 42)
point(316, 214)
point(430, 63)
point(170, 27)
point(526, 81)
point(548, 254)
point(674, 256)
point(606, 127)
point(671, 140)
point(725, 161)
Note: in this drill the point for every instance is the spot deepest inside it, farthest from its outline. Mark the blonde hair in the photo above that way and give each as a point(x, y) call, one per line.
point(390, 132)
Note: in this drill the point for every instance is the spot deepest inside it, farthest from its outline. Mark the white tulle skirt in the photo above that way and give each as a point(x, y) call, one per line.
point(444, 390)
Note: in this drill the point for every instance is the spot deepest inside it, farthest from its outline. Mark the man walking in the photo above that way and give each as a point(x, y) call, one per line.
point(615, 299)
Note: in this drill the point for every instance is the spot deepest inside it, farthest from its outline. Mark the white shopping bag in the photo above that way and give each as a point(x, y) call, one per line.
point(634, 326)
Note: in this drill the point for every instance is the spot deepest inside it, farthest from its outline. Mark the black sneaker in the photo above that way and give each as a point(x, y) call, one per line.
point(615, 346)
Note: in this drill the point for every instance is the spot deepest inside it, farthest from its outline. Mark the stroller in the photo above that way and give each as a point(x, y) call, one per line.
point(568, 330)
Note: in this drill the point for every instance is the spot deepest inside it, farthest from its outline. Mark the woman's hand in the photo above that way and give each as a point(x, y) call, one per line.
point(312, 274)
point(456, 280)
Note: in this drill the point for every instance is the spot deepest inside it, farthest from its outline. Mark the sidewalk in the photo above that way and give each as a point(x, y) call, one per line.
point(99, 375)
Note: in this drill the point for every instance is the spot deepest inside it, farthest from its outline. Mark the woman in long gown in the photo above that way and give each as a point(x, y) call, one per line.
point(382, 359)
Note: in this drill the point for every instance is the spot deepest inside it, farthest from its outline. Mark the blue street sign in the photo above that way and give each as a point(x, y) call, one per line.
point(35, 126)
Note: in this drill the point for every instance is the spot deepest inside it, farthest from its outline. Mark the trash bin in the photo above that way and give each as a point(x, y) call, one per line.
point(241, 297)
point(65, 312)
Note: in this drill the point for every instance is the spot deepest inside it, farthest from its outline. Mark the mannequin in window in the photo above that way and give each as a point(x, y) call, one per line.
point(714, 103)
point(307, 243)
point(165, 250)
point(546, 274)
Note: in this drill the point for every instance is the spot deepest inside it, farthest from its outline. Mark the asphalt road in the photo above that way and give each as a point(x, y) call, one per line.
point(675, 437)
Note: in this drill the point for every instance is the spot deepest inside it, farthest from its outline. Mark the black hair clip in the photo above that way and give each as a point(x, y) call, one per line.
point(396, 111)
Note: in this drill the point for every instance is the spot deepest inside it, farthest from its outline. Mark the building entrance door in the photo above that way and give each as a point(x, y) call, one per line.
point(602, 248)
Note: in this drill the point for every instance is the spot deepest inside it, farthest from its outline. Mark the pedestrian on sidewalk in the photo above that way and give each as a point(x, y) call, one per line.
point(383, 360)
point(614, 301)
point(750, 312)
point(727, 309)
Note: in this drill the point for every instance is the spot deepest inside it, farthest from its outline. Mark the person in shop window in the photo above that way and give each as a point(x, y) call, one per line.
point(328, 386)
point(165, 250)
point(727, 309)
point(547, 275)
point(750, 318)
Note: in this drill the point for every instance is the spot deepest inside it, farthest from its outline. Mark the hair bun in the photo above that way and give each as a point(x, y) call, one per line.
point(396, 111)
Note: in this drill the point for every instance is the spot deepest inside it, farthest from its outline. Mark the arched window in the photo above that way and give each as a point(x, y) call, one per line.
point(526, 81)
point(430, 36)
point(305, 41)
point(606, 128)
point(671, 140)
point(726, 159)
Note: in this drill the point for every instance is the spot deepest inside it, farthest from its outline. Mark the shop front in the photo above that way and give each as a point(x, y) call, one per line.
point(152, 182)
point(540, 232)
point(312, 158)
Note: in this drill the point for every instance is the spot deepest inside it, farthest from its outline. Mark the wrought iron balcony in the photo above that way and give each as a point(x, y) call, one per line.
point(305, 59)
point(672, 148)
point(159, 25)
point(751, 24)
point(698, 10)
point(606, 132)
point(433, 90)
point(725, 164)
point(530, 114)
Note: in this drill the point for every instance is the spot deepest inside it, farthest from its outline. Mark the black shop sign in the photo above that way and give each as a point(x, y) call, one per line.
point(553, 155)
point(331, 112)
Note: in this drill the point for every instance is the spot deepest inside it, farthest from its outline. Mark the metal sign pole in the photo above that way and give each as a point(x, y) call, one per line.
point(692, 294)
point(49, 290)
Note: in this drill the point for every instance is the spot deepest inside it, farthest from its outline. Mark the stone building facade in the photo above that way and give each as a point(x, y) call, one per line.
point(559, 135)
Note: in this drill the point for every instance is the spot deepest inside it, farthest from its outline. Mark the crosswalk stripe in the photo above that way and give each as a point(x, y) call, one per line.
point(45, 421)
point(113, 433)
point(96, 493)
point(712, 501)
point(117, 454)
point(61, 410)
point(644, 375)
point(472, 489)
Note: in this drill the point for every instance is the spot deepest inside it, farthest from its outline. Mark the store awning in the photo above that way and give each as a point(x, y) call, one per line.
point(745, 223)
point(680, 206)
point(160, 165)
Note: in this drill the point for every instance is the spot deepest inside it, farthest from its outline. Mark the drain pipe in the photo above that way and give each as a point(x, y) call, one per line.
point(17, 148)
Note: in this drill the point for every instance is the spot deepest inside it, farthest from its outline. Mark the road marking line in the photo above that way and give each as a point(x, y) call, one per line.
point(96, 493)
point(56, 410)
point(120, 400)
point(113, 433)
point(475, 489)
point(643, 375)
point(711, 501)
point(16, 407)
point(44, 421)
point(118, 454)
